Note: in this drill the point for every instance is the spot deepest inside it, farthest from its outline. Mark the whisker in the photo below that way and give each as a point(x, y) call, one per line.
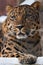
point(40, 30)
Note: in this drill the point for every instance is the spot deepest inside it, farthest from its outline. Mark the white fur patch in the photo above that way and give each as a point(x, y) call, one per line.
point(21, 36)
point(29, 2)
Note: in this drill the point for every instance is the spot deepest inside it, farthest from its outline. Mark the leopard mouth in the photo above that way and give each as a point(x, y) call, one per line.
point(21, 36)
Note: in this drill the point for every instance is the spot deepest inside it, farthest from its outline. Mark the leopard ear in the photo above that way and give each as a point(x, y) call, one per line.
point(8, 8)
point(36, 5)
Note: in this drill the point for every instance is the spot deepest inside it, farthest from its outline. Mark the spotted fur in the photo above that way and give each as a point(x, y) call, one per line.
point(20, 33)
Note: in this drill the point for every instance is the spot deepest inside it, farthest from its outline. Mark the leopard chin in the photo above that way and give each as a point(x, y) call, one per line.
point(21, 36)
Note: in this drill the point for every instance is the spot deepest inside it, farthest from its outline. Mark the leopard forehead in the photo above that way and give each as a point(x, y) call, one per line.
point(24, 11)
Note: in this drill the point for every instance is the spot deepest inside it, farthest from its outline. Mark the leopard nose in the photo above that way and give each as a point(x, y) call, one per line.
point(20, 27)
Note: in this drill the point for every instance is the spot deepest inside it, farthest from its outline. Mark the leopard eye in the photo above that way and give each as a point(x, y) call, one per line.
point(12, 18)
point(28, 15)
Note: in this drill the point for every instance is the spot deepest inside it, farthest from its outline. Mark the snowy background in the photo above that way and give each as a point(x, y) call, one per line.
point(27, 2)
point(15, 61)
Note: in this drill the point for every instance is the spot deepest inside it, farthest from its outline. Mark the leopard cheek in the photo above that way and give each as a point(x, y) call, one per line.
point(16, 31)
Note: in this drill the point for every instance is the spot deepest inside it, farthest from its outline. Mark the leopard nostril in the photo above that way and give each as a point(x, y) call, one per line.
point(20, 27)
point(21, 33)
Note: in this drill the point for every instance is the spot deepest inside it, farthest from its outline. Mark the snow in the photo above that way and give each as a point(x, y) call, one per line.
point(15, 61)
point(9, 61)
point(40, 61)
point(29, 2)
point(2, 18)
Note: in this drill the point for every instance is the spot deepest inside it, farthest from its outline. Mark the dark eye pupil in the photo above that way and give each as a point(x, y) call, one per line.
point(12, 16)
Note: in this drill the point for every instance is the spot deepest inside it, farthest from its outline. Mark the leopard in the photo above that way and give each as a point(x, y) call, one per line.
point(19, 33)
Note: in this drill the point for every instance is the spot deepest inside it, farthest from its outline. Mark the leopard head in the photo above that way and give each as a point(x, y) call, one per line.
point(22, 21)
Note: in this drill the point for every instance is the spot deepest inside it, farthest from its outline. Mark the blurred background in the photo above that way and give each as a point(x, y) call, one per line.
point(3, 4)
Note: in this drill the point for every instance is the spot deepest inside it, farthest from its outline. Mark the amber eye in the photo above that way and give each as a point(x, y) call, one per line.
point(12, 18)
